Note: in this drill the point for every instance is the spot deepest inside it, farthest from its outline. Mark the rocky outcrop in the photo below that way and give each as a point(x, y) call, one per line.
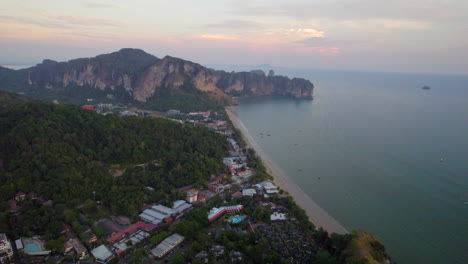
point(142, 76)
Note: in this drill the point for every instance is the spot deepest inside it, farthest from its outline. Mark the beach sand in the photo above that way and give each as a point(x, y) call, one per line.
point(316, 214)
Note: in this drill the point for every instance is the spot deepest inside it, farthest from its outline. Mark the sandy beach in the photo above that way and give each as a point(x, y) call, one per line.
point(316, 214)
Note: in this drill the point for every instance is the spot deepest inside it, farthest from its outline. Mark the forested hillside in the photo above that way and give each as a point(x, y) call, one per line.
point(64, 153)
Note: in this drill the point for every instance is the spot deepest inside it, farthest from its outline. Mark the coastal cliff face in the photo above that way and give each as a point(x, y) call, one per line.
point(141, 76)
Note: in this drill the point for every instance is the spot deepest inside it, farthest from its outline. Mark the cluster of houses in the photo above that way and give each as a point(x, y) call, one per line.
point(122, 234)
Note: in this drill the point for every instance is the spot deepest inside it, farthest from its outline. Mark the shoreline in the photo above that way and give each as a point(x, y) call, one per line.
point(318, 216)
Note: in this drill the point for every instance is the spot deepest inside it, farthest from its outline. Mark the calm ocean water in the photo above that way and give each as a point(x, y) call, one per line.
point(378, 153)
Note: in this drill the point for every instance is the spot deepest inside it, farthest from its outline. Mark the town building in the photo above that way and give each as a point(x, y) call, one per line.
point(129, 231)
point(131, 238)
point(216, 188)
point(167, 245)
point(91, 237)
point(276, 216)
point(181, 206)
point(79, 248)
point(102, 254)
point(248, 192)
point(6, 251)
point(217, 250)
point(192, 195)
point(246, 173)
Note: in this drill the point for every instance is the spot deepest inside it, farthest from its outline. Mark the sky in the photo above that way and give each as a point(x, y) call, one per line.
point(429, 36)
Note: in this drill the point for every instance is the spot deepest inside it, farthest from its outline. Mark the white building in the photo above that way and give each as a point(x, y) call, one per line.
point(102, 254)
point(181, 206)
point(6, 251)
point(270, 188)
point(278, 217)
point(167, 245)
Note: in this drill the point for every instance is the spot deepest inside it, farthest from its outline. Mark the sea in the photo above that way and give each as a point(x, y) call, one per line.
point(378, 153)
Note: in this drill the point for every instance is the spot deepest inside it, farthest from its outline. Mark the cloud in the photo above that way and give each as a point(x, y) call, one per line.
point(447, 11)
point(234, 23)
point(33, 21)
point(84, 20)
point(93, 4)
point(59, 21)
point(217, 36)
point(306, 32)
point(405, 24)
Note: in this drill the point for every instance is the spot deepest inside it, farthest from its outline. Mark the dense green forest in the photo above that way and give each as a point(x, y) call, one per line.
point(186, 98)
point(65, 153)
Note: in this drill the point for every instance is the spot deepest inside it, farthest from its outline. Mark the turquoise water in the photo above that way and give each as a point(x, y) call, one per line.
point(392, 158)
point(236, 220)
point(31, 247)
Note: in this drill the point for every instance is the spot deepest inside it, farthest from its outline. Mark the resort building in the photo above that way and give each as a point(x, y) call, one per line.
point(278, 217)
point(167, 245)
point(6, 251)
point(102, 254)
point(270, 188)
point(217, 212)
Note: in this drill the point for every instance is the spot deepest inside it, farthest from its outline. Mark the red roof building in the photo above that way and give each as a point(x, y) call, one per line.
point(89, 107)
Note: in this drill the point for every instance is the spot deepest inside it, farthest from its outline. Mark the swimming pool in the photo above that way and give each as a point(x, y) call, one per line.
point(31, 247)
point(236, 219)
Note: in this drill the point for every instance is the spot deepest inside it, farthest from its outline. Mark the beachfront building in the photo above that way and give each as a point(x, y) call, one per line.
point(218, 212)
point(6, 251)
point(102, 254)
point(270, 188)
point(167, 245)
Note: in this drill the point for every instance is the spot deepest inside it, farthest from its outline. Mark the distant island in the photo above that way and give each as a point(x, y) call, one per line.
point(132, 76)
point(426, 87)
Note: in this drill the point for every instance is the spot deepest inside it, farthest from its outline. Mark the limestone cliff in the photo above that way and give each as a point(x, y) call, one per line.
point(139, 76)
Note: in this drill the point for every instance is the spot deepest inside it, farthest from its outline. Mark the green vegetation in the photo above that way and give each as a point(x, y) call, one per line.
point(186, 98)
point(64, 154)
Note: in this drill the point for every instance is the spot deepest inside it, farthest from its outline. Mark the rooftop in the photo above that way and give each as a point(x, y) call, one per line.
point(102, 253)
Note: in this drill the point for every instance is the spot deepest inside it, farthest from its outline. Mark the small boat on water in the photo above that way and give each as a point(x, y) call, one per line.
point(425, 87)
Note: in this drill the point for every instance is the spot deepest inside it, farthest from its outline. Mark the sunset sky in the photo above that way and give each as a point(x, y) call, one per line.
point(398, 36)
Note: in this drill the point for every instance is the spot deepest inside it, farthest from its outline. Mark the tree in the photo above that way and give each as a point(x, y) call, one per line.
point(179, 259)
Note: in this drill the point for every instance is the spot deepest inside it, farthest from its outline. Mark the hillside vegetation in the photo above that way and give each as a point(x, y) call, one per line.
point(65, 153)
